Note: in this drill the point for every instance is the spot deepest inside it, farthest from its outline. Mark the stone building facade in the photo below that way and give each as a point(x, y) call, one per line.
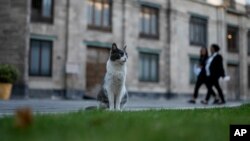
point(14, 33)
point(61, 46)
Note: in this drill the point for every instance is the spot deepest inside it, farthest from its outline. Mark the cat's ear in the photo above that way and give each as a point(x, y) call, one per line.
point(114, 46)
point(125, 47)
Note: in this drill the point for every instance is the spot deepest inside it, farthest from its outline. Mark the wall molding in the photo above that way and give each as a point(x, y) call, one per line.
point(97, 44)
point(43, 37)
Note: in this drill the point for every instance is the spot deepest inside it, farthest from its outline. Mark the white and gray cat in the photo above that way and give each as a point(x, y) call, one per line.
point(113, 94)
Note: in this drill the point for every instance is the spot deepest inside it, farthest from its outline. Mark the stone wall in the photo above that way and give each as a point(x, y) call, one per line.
point(56, 32)
point(14, 32)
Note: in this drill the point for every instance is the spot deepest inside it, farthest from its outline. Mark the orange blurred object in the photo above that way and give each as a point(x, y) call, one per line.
point(23, 117)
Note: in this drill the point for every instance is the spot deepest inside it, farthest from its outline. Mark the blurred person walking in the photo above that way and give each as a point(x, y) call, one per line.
point(214, 70)
point(202, 77)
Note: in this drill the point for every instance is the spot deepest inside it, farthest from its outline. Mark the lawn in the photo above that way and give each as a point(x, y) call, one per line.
point(152, 125)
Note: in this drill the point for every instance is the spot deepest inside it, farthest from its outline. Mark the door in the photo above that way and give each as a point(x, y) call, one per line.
point(96, 68)
point(233, 92)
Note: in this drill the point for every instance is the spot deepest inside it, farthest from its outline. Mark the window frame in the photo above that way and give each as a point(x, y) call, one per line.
point(40, 18)
point(157, 11)
point(196, 20)
point(192, 77)
point(233, 30)
point(101, 27)
point(150, 79)
point(40, 58)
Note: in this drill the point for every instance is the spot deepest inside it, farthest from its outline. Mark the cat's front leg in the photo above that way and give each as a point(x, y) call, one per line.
point(118, 102)
point(111, 101)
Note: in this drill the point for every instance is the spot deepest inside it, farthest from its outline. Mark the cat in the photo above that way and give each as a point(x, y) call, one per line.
point(23, 117)
point(113, 94)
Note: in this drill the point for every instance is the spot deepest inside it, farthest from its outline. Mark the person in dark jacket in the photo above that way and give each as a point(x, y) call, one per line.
point(214, 70)
point(202, 77)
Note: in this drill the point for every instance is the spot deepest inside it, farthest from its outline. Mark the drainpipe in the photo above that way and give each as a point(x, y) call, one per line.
point(123, 22)
point(66, 47)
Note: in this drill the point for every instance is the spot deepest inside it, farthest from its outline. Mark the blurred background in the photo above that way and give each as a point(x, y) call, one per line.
point(61, 46)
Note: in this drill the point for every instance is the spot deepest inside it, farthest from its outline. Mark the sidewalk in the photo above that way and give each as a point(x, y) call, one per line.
point(134, 104)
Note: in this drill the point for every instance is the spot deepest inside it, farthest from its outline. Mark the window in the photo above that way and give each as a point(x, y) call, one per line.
point(40, 59)
point(42, 11)
point(149, 22)
point(194, 61)
point(198, 31)
point(232, 39)
point(99, 14)
point(248, 42)
point(149, 67)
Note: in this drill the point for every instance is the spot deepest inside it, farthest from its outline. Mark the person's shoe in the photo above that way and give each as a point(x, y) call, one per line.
point(216, 101)
point(204, 102)
point(192, 101)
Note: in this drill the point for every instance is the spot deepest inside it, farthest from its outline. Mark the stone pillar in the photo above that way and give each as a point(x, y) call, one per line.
point(167, 48)
point(221, 30)
point(75, 59)
point(221, 39)
point(243, 58)
point(14, 35)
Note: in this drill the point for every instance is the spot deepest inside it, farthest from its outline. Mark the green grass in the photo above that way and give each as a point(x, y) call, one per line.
point(153, 125)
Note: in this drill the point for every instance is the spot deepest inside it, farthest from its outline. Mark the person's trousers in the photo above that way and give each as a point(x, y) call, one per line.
point(202, 79)
point(214, 82)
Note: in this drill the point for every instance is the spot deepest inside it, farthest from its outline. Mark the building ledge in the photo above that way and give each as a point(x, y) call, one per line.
point(42, 37)
point(97, 44)
point(235, 12)
point(148, 50)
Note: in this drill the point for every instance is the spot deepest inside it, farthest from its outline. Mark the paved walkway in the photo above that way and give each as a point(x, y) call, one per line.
point(62, 106)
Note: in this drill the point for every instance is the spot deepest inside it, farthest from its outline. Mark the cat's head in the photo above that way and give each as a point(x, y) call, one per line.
point(118, 55)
